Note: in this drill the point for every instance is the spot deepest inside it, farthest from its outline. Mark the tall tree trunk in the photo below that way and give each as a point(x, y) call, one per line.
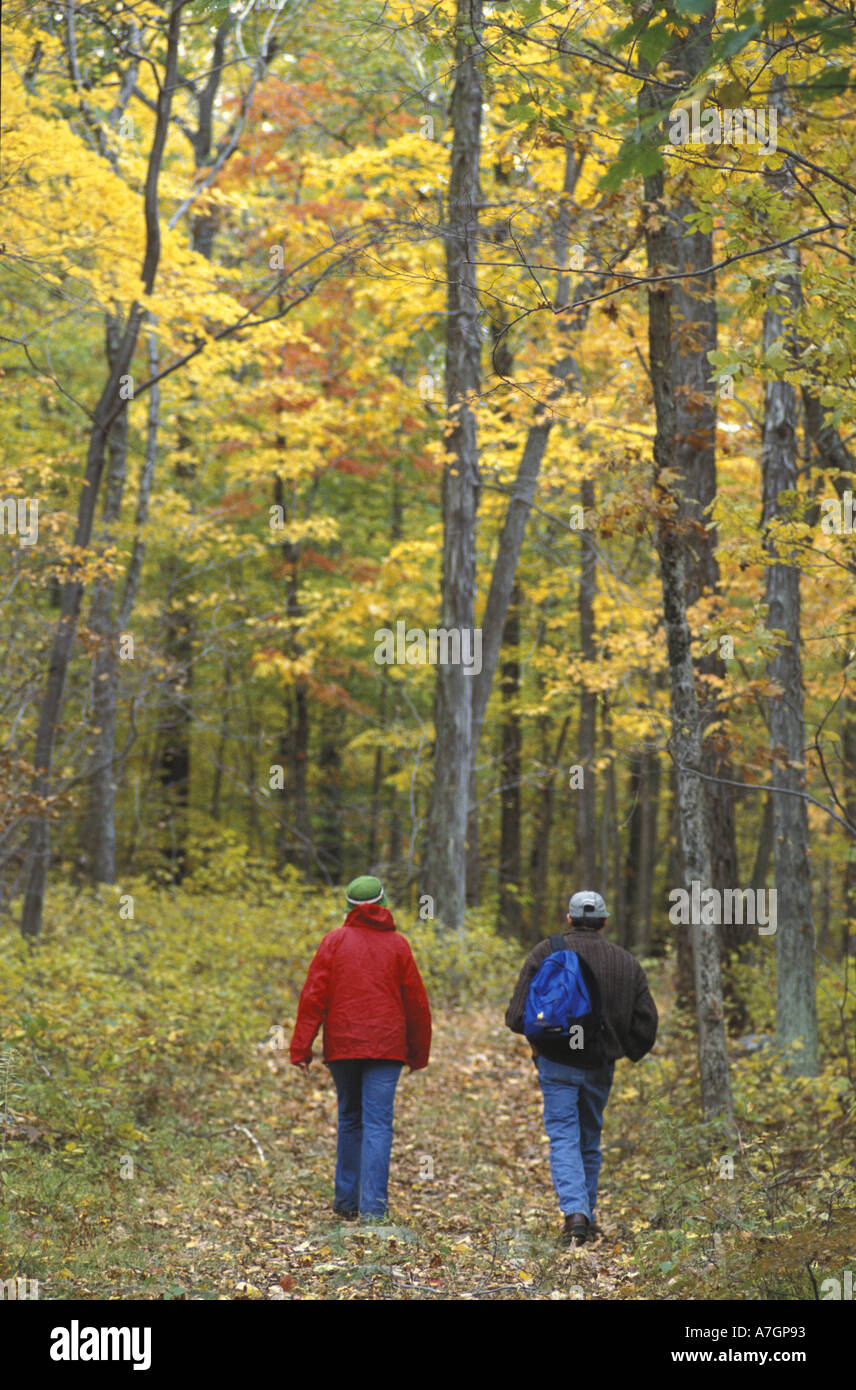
point(848, 761)
point(225, 731)
point(586, 804)
point(446, 869)
point(101, 821)
point(685, 997)
point(180, 619)
point(174, 758)
point(109, 405)
point(687, 724)
point(764, 850)
point(610, 869)
point(395, 832)
point(377, 783)
point(649, 802)
point(473, 865)
point(640, 855)
point(539, 854)
point(694, 337)
point(294, 839)
point(509, 918)
point(632, 857)
point(396, 530)
point(834, 455)
point(331, 842)
point(796, 1008)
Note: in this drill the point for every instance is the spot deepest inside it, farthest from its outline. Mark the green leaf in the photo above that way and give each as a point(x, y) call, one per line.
point(625, 35)
point(835, 37)
point(693, 7)
point(520, 111)
point(831, 31)
point(775, 11)
point(732, 43)
point(633, 160)
point(561, 127)
point(654, 42)
point(832, 82)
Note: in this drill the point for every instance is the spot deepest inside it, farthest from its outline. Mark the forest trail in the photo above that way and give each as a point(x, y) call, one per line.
point(472, 1208)
point(473, 1214)
point(162, 1146)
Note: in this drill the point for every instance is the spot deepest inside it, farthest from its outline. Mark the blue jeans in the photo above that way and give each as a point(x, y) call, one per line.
point(574, 1099)
point(365, 1088)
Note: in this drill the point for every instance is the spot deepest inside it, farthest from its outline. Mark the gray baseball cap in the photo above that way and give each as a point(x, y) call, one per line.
point(587, 905)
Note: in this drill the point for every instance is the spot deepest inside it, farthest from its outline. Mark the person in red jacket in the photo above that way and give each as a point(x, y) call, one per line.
point(363, 985)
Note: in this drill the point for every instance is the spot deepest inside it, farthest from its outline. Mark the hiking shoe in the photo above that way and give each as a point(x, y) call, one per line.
point(576, 1229)
point(346, 1213)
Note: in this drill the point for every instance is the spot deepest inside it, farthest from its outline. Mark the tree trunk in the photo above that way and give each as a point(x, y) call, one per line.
point(294, 840)
point(694, 337)
point(796, 1010)
point(180, 621)
point(101, 819)
point(586, 804)
point(610, 870)
point(848, 759)
point(632, 858)
point(837, 458)
point(225, 731)
point(675, 875)
point(650, 793)
point(446, 869)
point(377, 783)
point(686, 744)
point(761, 867)
point(509, 918)
point(473, 866)
point(177, 719)
point(331, 844)
point(539, 855)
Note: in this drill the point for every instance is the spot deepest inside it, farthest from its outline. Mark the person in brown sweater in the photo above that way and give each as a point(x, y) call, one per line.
point(574, 1096)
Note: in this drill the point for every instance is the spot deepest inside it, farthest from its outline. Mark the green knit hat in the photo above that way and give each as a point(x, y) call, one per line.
point(366, 891)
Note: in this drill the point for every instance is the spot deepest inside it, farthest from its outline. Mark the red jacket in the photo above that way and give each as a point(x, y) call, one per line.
point(364, 986)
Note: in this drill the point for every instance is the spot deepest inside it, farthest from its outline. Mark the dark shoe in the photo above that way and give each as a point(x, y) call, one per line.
point(346, 1213)
point(576, 1229)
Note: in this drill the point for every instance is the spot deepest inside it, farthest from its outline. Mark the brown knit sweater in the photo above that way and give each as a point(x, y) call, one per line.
point(629, 1012)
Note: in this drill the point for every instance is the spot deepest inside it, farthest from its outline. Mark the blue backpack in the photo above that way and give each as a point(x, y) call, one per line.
point(563, 1017)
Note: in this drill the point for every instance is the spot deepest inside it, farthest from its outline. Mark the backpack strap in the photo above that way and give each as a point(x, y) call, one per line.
point(557, 942)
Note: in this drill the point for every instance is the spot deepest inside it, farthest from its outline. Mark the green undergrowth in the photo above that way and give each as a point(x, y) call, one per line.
point(155, 1142)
